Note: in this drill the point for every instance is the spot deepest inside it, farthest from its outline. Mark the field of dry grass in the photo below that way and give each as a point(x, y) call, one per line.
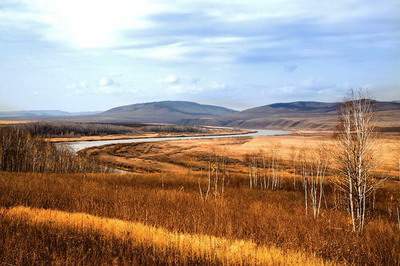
point(177, 156)
point(211, 131)
point(158, 215)
point(274, 220)
point(157, 242)
point(13, 122)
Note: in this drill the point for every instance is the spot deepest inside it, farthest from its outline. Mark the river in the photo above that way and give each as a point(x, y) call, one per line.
point(80, 145)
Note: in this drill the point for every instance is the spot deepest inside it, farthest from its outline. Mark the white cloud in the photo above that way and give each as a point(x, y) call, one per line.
point(104, 86)
point(106, 82)
point(89, 23)
point(124, 23)
point(171, 79)
point(94, 24)
point(188, 85)
point(215, 85)
point(171, 52)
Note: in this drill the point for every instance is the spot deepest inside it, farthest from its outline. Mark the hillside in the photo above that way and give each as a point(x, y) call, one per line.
point(291, 115)
point(34, 114)
point(309, 115)
point(179, 112)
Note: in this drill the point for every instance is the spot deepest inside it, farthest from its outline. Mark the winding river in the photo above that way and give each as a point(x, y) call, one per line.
point(80, 145)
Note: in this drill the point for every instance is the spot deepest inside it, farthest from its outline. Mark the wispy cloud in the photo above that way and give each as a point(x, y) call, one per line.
point(202, 48)
point(160, 31)
point(107, 82)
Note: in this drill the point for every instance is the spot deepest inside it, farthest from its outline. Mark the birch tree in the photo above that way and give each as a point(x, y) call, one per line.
point(355, 148)
point(318, 167)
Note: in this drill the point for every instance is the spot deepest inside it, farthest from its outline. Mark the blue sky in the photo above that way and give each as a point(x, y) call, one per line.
point(82, 55)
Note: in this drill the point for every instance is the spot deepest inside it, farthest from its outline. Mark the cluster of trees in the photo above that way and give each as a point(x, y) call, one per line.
point(310, 166)
point(217, 176)
point(73, 129)
point(350, 161)
point(175, 129)
point(22, 152)
point(77, 129)
point(263, 169)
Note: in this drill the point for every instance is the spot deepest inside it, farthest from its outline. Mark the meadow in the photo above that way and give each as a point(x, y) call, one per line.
point(233, 201)
point(55, 222)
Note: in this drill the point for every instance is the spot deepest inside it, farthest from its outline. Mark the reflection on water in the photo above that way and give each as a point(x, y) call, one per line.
point(80, 145)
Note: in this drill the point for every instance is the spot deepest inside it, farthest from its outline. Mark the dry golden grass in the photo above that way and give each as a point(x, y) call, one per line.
point(106, 137)
point(178, 156)
point(144, 135)
point(14, 122)
point(189, 247)
point(158, 216)
point(267, 218)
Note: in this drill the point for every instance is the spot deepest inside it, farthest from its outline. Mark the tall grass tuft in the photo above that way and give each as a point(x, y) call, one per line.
point(181, 247)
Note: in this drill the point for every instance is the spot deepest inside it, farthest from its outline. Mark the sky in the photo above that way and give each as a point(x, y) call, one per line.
point(91, 55)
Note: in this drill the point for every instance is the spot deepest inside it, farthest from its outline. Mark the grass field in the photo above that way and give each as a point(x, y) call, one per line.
point(144, 241)
point(13, 122)
point(178, 156)
point(160, 215)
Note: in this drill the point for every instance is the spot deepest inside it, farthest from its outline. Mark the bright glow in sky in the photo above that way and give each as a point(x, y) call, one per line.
point(93, 55)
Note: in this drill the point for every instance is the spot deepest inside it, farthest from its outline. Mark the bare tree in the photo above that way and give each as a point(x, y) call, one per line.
point(217, 175)
point(398, 217)
point(22, 152)
point(304, 167)
point(398, 160)
point(355, 146)
point(318, 166)
point(294, 154)
point(276, 182)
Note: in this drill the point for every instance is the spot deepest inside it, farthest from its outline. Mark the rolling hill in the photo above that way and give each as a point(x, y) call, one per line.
point(179, 112)
point(310, 115)
point(32, 114)
point(38, 114)
point(291, 115)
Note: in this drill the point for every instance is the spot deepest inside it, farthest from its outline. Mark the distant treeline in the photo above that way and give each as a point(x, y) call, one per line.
point(22, 152)
point(176, 129)
point(76, 129)
point(73, 129)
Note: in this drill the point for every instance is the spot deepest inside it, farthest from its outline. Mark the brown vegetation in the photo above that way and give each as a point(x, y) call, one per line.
point(268, 218)
point(73, 129)
point(263, 201)
point(146, 241)
point(177, 156)
point(21, 152)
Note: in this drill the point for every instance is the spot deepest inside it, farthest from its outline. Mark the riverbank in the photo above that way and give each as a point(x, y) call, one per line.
point(78, 146)
point(213, 132)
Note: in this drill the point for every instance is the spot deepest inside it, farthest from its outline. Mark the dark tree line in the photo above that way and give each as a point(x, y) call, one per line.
point(71, 129)
point(77, 129)
point(175, 129)
point(22, 152)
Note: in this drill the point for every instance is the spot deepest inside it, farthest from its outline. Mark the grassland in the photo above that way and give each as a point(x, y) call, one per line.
point(66, 131)
point(149, 241)
point(265, 219)
point(157, 215)
point(178, 156)
point(13, 122)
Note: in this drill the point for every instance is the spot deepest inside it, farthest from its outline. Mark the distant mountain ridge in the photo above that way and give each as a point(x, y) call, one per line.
point(166, 112)
point(304, 114)
point(290, 115)
point(296, 115)
point(30, 114)
point(35, 113)
point(186, 107)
